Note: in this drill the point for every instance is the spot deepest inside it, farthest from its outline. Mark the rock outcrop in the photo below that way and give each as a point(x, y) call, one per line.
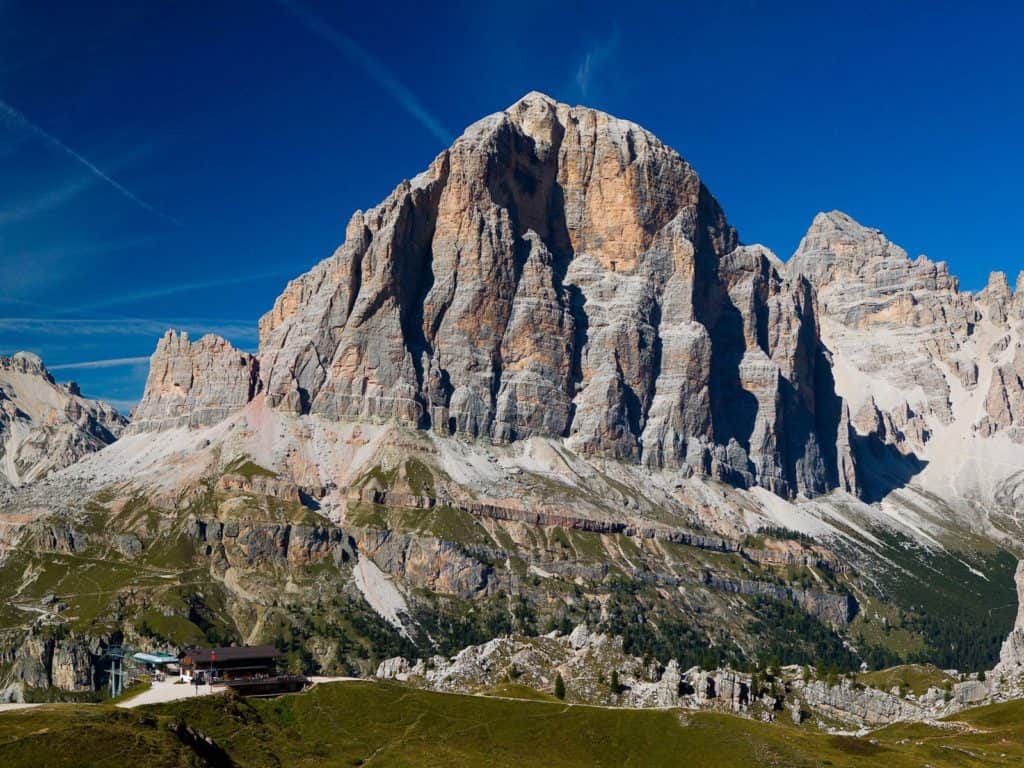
point(45, 426)
point(866, 283)
point(927, 368)
point(1004, 402)
point(588, 661)
point(1011, 657)
point(194, 384)
point(46, 659)
point(557, 272)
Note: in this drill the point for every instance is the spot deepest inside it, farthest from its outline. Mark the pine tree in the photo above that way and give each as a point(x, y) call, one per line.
point(559, 686)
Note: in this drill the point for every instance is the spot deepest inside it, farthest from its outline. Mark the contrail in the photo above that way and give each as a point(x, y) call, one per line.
point(110, 363)
point(357, 54)
point(13, 117)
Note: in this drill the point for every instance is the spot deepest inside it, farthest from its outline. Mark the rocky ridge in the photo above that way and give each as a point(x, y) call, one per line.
point(591, 663)
point(557, 273)
point(45, 426)
point(933, 374)
point(194, 383)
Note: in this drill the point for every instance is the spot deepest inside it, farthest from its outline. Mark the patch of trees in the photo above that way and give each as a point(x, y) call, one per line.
point(788, 635)
point(964, 641)
point(653, 634)
point(460, 623)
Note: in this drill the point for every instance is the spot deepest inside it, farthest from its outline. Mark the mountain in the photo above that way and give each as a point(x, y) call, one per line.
point(926, 369)
point(557, 273)
point(543, 385)
point(45, 426)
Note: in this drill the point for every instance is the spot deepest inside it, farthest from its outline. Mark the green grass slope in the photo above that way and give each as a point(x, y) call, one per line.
point(375, 724)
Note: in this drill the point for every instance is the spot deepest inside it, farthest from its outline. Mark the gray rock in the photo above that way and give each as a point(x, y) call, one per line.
point(44, 426)
point(194, 384)
point(560, 272)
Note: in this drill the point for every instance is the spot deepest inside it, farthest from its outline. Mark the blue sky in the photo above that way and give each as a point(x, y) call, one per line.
point(174, 164)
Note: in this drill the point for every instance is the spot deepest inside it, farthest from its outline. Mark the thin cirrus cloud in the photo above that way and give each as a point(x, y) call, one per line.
point(17, 121)
point(150, 328)
point(54, 195)
point(51, 197)
point(114, 362)
point(172, 290)
point(371, 65)
point(594, 61)
point(34, 269)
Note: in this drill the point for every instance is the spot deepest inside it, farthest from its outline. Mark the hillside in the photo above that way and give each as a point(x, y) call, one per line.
point(376, 724)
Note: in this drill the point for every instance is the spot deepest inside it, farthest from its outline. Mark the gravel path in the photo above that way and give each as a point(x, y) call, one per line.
point(168, 690)
point(13, 706)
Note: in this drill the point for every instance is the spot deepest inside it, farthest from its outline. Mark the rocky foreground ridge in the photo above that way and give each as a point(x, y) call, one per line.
point(595, 670)
point(45, 426)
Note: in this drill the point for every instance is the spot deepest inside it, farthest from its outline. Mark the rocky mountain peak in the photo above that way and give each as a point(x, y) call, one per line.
point(836, 221)
point(25, 362)
point(557, 272)
point(45, 426)
point(837, 248)
point(194, 383)
point(997, 298)
point(561, 273)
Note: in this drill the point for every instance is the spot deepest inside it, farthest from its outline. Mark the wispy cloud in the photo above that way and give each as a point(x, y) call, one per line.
point(90, 249)
point(371, 65)
point(113, 362)
point(24, 303)
point(51, 197)
point(54, 195)
point(149, 328)
point(594, 60)
point(172, 290)
point(54, 264)
point(17, 121)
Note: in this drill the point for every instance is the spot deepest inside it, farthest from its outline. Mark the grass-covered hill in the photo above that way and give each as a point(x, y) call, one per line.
point(375, 724)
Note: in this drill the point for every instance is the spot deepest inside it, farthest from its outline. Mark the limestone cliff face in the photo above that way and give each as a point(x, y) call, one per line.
point(194, 384)
point(45, 426)
point(866, 283)
point(560, 272)
point(1004, 402)
point(918, 357)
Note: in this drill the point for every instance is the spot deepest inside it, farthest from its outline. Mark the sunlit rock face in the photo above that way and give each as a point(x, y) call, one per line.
point(194, 384)
point(933, 375)
point(45, 426)
point(560, 272)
